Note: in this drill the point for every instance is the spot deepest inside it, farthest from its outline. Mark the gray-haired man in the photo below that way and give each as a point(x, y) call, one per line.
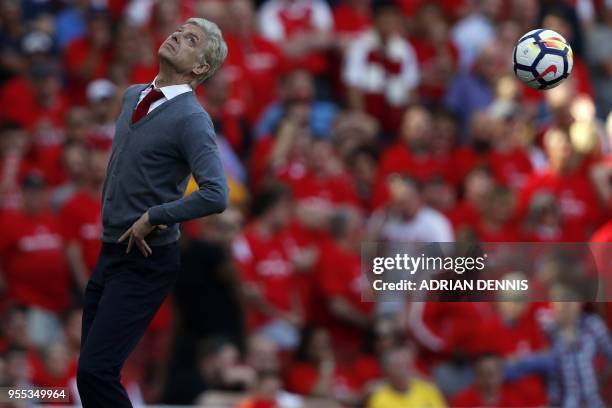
point(162, 135)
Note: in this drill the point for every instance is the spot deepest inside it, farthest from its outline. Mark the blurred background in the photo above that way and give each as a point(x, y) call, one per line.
point(338, 121)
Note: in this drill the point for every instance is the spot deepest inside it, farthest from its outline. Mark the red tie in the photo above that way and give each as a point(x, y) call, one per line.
point(143, 107)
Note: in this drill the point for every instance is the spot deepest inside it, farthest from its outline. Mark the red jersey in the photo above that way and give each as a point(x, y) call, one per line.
point(80, 217)
point(340, 275)
point(511, 168)
point(33, 260)
point(349, 20)
point(507, 398)
point(19, 104)
point(76, 53)
point(574, 193)
point(265, 263)
point(302, 378)
point(398, 158)
point(326, 190)
point(253, 68)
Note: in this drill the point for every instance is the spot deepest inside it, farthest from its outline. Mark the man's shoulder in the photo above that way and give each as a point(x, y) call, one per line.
point(133, 89)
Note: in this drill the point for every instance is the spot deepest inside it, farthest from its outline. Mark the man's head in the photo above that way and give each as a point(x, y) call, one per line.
point(489, 373)
point(262, 353)
point(273, 206)
point(196, 49)
point(397, 363)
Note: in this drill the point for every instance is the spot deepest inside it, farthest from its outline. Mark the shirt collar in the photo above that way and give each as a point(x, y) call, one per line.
point(172, 91)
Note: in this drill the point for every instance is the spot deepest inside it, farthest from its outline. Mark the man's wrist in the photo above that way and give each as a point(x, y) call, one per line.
point(153, 217)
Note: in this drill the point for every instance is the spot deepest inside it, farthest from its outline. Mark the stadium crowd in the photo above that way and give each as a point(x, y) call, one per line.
point(338, 121)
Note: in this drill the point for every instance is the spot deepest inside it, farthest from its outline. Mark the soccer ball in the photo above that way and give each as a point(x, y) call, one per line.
point(542, 59)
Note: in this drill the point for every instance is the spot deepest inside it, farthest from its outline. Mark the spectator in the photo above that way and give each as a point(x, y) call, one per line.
point(220, 367)
point(33, 242)
point(576, 339)
point(473, 90)
point(301, 28)
point(316, 371)
point(342, 284)
point(268, 393)
point(403, 388)
point(297, 88)
point(87, 57)
point(80, 216)
point(565, 179)
point(78, 125)
point(70, 23)
point(262, 354)
point(412, 155)
point(11, 61)
point(381, 70)
point(256, 61)
point(438, 56)
point(475, 30)
point(70, 172)
point(489, 389)
point(497, 220)
point(407, 219)
point(267, 271)
point(102, 100)
point(35, 99)
point(599, 52)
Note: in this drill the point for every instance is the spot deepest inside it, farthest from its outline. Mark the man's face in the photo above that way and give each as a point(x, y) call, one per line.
point(183, 50)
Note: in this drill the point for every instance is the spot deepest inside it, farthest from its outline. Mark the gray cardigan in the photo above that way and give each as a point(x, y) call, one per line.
point(150, 165)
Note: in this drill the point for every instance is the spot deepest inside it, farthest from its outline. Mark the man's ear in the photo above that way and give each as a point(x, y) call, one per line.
point(201, 69)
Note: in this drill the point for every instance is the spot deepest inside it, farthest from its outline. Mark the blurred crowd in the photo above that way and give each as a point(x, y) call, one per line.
point(338, 122)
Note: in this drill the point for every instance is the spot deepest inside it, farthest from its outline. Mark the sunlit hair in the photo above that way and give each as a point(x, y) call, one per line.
point(215, 48)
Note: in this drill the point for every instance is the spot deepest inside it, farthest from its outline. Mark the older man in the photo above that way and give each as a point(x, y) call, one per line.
point(162, 135)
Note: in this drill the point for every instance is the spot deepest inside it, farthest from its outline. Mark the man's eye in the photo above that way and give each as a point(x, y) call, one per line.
point(191, 40)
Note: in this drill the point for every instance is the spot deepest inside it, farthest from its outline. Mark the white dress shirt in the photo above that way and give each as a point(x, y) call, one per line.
point(170, 91)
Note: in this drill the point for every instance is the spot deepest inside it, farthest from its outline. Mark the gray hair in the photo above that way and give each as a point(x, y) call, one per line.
point(215, 49)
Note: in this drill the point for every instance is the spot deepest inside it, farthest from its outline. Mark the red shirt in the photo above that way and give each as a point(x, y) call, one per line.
point(326, 190)
point(398, 158)
point(80, 217)
point(507, 233)
point(76, 53)
point(19, 104)
point(303, 376)
point(349, 20)
point(33, 260)
point(340, 275)
point(511, 168)
point(507, 398)
point(265, 262)
point(464, 215)
point(574, 193)
point(253, 68)
point(427, 53)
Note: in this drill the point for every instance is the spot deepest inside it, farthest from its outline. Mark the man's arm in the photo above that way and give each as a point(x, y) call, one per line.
point(198, 146)
point(197, 143)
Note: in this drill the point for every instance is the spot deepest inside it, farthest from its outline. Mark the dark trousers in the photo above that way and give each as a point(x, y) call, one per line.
point(121, 298)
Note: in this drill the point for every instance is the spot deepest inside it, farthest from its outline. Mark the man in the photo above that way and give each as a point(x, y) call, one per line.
point(403, 388)
point(162, 135)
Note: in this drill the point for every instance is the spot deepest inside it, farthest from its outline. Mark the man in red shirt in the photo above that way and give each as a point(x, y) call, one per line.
point(87, 58)
point(488, 390)
point(341, 283)
point(80, 218)
point(255, 63)
point(568, 180)
point(267, 270)
point(33, 263)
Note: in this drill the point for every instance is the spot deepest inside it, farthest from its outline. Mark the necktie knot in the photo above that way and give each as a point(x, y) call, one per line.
point(143, 106)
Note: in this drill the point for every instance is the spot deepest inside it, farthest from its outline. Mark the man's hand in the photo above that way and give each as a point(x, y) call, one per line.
point(137, 234)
